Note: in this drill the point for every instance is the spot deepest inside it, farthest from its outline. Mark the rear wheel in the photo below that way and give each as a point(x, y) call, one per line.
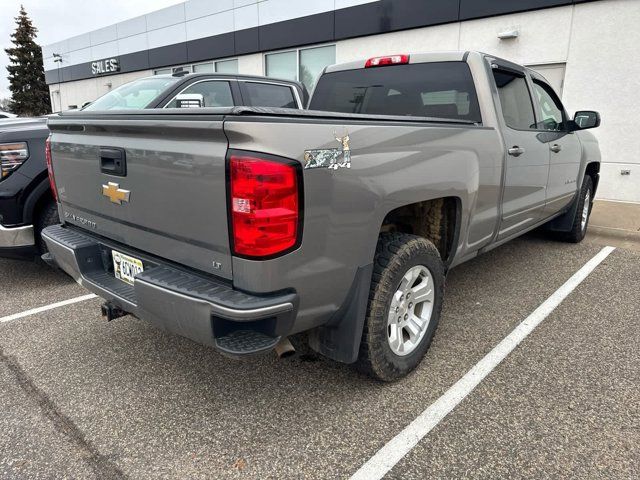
point(47, 216)
point(581, 219)
point(404, 306)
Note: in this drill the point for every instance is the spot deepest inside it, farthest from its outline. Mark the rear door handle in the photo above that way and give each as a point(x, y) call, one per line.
point(515, 151)
point(555, 148)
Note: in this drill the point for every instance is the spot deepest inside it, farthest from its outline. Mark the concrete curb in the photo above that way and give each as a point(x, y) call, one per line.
point(619, 237)
point(620, 233)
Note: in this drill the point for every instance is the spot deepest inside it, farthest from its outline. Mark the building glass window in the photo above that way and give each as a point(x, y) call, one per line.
point(282, 65)
point(227, 66)
point(222, 66)
point(313, 61)
point(182, 68)
point(304, 65)
point(203, 68)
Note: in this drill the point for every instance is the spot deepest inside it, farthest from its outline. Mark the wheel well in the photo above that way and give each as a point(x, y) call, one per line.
point(45, 198)
point(37, 198)
point(436, 220)
point(593, 170)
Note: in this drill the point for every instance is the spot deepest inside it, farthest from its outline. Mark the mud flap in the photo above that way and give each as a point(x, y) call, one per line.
point(340, 339)
point(564, 223)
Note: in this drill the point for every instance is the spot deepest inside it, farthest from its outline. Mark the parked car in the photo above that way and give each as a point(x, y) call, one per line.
point(5, 115)
point(238, 227)
point(26, 202)
point(202, 90)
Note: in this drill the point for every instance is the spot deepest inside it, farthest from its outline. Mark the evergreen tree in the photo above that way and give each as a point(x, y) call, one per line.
point(30, 94)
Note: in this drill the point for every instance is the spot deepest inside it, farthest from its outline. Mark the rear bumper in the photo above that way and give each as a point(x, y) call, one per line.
point(186, 303)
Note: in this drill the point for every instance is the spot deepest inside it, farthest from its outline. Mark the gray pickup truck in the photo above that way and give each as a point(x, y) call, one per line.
point(237, 227)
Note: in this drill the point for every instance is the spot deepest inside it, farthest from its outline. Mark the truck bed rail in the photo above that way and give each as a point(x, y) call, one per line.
point(204, 113)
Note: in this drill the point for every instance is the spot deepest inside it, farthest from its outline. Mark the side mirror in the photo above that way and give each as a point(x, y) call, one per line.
point(584, 119)
point(190, 100)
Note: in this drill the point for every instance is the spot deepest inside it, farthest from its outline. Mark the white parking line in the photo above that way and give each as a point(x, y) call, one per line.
point(33, 311)
point(390, 454)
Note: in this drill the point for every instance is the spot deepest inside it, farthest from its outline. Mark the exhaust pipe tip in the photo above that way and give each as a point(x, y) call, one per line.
point(284, 348)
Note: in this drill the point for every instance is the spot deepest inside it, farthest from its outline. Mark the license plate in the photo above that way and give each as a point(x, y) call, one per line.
point(125, 268)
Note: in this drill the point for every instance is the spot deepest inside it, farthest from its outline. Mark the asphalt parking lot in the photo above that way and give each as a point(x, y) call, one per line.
point(83, 398)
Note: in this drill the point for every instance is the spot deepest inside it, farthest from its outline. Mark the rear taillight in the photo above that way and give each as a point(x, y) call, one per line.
point(388, 60)
point(264, 204)
point(12, 155)
point(52, 180)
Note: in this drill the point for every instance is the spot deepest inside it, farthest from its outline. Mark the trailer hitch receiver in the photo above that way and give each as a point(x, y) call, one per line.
point(111, 311)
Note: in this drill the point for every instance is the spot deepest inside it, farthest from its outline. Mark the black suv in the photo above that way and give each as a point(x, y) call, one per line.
point(26, 202)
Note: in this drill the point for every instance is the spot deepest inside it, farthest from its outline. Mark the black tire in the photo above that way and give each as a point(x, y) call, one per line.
point(578, 231)
point(396, 254)
point(47, 216)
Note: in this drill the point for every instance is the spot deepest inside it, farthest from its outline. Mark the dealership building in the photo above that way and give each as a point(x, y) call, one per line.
point(586, 49)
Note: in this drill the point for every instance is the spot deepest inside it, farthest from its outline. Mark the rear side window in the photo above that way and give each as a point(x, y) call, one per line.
point(515, 100)
point(215, 93)
point(257, 94)
point(438, 89)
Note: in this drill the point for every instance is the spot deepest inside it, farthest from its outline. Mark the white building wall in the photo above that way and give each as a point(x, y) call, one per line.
point(533, 46)
point(441, 37)
point(603, 73)
point(543, 36)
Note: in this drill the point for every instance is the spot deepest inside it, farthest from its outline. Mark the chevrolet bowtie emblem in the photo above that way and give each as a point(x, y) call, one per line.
point(115, 193)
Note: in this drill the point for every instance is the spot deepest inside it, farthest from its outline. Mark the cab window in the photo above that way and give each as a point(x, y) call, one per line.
point(550, 108)
point(433, 89)
point(515, 100)
point(258, 94)
point(215, 93)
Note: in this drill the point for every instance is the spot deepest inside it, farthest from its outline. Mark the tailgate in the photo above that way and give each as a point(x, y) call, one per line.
point(170, 197)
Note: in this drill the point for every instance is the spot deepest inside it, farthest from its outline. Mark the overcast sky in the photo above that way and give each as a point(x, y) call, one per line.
point(60, 19)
